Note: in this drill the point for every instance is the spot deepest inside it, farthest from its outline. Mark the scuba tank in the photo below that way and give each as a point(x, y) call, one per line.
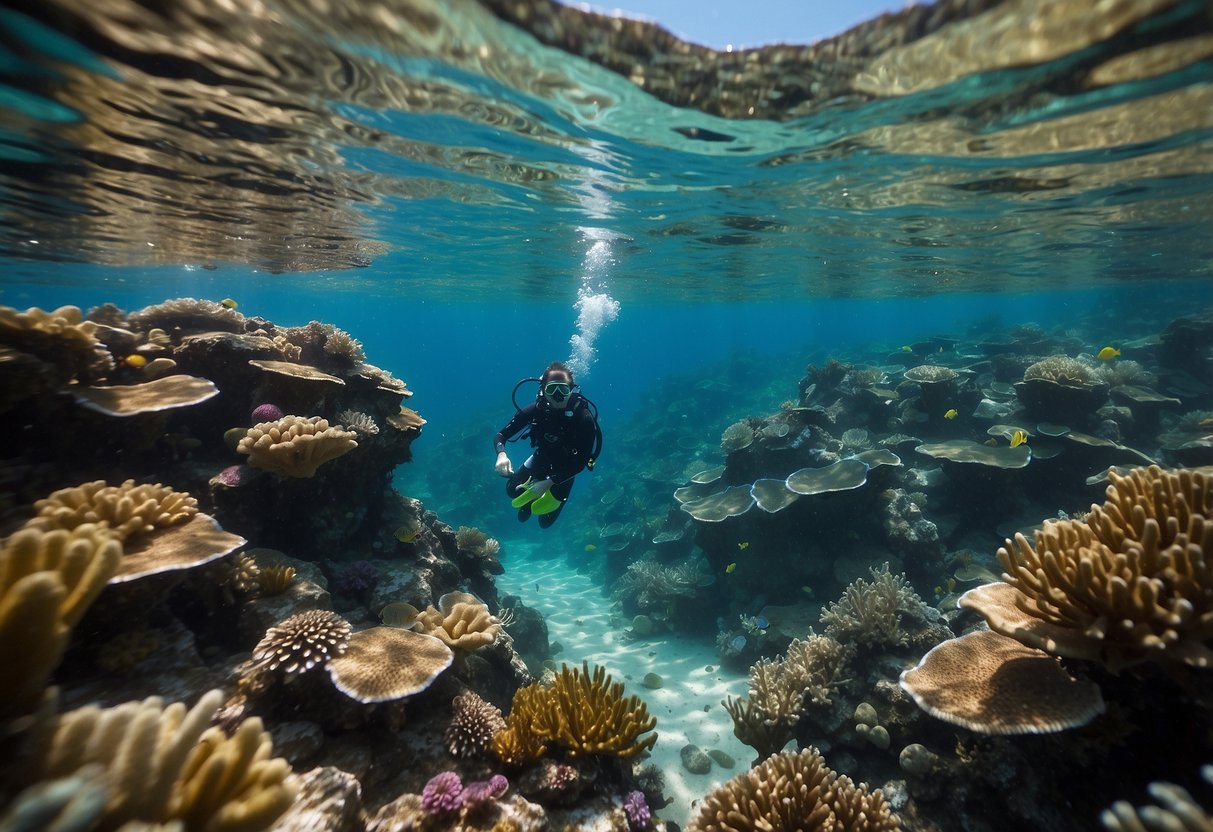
point(576, 400)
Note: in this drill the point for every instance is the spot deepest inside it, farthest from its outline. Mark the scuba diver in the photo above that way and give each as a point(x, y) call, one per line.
point(563, 428)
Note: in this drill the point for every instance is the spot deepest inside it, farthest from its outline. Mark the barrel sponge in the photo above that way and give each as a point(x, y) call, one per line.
point(793, 790)
point(294, 446)
point(164, 764)
point(47, 581)
point(1132, 582)
point(128, 509)
point(61, 338)
point(584, 713)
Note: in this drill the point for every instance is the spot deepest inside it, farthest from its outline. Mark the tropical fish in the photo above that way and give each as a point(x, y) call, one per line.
point(951, 584)
point(745, 544)
point(135, 361)
point(907, 349)
point(1107, 353)
point(761, 622)
point(951, 414)
point(228, 303)
point(589, 547)
point(728, 570)
point(406, 534)
point(1018, 438)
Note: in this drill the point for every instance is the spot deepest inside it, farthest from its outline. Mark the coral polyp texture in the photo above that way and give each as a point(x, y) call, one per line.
point(127, 509)
point(473, 724)
point(793, 790)
point(1131, 583)
point(386, 663)
point(294, 446)
point(583, 713)
point(302, 642)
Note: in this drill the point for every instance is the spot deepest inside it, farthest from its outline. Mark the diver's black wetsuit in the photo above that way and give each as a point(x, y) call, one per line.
point(563, 439)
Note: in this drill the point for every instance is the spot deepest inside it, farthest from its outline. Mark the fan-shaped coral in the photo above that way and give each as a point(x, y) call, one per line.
point(1132, 582)
point(793, 790)
point(294, 446)
point(386, 663)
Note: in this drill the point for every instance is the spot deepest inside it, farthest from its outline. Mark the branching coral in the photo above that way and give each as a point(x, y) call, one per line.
point(294, 446)
point(1061, 369)
point(584, 714)
point(793, 790)
point(650, 585)
point(736, 436)
point(1133, 582)
point(476, 543)
point(164, 764)
point(1177, 811)
point(47, 581)
point(870, 614)
point(128, 509)
point(358, 422)
point(187, 315)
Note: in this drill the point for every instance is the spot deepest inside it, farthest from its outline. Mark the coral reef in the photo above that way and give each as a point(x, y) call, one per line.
point(793, 790)
point(473, 723)
point(128, 510)
point(870, 613)
point(295, 446)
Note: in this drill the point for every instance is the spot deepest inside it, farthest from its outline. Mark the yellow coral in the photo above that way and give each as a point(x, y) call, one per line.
point(1131, 583)
point(128, 509)
point(793, 790)
point(294, 446)
point(47, 581)
point(61, 338)
point(583, 713)
point(461, 621)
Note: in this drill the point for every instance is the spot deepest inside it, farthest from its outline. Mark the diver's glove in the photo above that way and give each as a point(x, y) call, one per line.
point(503, 466)
point(534, 490)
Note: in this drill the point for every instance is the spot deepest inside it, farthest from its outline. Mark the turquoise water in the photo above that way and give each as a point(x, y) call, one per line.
point(472, 199)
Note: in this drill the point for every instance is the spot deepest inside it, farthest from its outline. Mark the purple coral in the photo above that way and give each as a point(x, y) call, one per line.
point(442, 794)
point(485, 791)
point(636, 808)
point(233, 476)
point(267, 413)
point(357, 579)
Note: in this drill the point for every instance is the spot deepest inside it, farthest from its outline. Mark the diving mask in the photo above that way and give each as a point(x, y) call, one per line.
point(557, 391)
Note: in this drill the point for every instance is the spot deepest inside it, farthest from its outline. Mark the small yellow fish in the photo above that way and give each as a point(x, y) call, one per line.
point(939, 590)
point(745, 544)
point(907, 349)
point(951, 414)
point(137, 362)
point(1018, 438)
point(228, 303)
point(728, 570)
point(951, 584)
point(1107, 353)
point(405, 534)
point(589, 547)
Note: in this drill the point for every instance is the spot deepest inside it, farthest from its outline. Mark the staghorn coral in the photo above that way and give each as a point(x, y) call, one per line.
point(61, 339)
point(163, 764)
point(1131, 583)
point(1061, 369)
point(870, 614)
point(129, 510)
point(765, 734)
point(472, 726)
point(584, 714)
point(461, 621)
point(47, 581)
point(294, 446)
point(302, 642)
point(736, 436)
point(793, 790)
point(358, 422)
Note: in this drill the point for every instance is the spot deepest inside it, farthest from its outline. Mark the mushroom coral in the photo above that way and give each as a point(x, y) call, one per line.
point(585, 714)
point(294, 446)
point(793, 790)
point(1132, 582)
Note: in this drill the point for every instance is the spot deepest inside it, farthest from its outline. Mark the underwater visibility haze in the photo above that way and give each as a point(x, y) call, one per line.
point(900, 344)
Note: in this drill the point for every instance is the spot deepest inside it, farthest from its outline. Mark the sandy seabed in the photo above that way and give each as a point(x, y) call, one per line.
point(687, 705)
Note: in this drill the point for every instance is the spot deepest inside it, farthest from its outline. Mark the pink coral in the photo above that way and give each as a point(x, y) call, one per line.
point(442, 794)
point(636, 808)
point(484, 791)
point(267, 413)
point(233, 476)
